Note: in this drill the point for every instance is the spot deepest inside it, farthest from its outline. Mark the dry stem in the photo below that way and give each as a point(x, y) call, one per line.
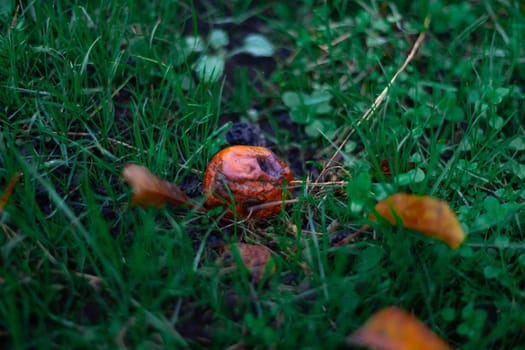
point(349, 131)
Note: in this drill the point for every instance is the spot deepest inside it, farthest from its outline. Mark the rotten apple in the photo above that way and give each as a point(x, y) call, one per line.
point(249, 179)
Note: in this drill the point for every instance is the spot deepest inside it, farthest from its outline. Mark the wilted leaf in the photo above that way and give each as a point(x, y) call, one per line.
point(255, 258)
point(150, 190)
point(8, 190)
point(395, 329)
point(426, 214)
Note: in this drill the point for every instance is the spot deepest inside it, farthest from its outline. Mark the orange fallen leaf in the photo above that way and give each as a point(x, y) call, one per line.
point(255, 258)
point(8, 190)
point(150, 190)
point(395, 329)
point(426, 214)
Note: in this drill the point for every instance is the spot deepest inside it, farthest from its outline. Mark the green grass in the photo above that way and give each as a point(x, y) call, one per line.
point(88, 89)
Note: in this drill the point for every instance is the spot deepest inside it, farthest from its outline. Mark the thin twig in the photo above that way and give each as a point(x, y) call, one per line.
point(9, 189)
point(298, 183)
point(351, 237)
point(270, 204)
point(370, 111)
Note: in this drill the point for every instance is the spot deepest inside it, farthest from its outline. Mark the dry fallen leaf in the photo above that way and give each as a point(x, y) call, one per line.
point(150, 190)
point(8, 190)
point(395, 329)
point(426, 214)
point(255, 258)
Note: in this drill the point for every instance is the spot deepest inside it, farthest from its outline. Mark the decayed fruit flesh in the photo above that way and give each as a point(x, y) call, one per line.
point(250, 175)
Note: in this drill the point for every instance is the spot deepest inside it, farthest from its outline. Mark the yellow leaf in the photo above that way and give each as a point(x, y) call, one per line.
point(395, 329)
point(150, 190)
point(426, 214)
